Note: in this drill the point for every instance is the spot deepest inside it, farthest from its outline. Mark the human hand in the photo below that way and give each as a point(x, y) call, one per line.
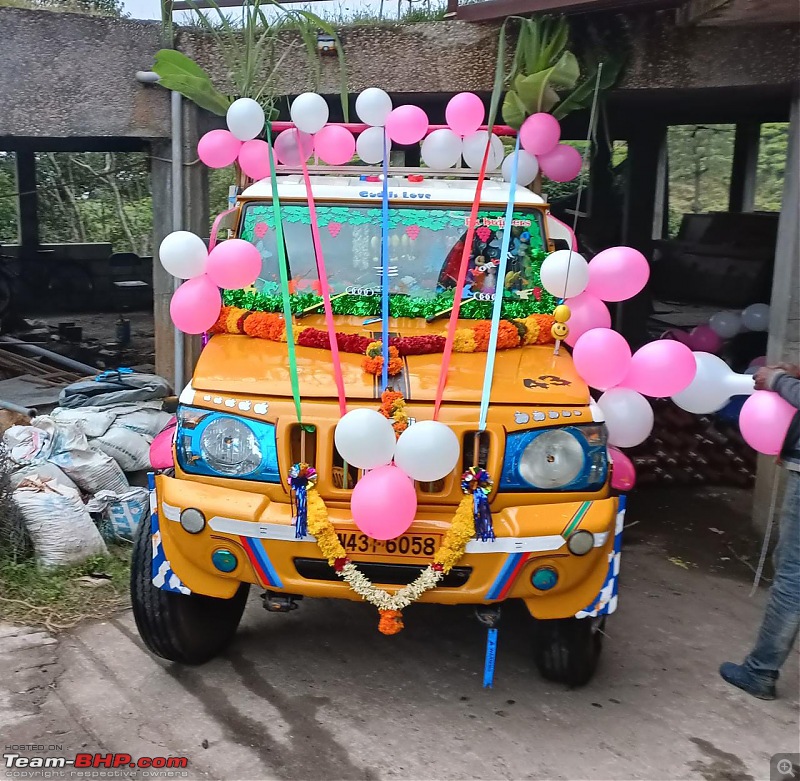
point(792, 369)
point(765, 376)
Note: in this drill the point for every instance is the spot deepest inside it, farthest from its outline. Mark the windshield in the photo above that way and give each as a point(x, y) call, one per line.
point(425, 249)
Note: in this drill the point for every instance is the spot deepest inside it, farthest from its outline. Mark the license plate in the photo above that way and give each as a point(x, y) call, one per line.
point(407, 546)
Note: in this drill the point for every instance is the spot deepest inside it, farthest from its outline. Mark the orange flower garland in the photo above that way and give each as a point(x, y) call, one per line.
point(533, 329)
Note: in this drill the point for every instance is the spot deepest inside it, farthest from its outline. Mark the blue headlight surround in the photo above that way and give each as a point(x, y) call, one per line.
point(193, 421)
point(592, 476)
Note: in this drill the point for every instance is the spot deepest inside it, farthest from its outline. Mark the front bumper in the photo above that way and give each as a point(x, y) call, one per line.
point(261, 535)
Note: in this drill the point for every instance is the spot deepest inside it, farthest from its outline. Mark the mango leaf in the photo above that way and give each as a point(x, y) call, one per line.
point(514, 112)
point(199, 91)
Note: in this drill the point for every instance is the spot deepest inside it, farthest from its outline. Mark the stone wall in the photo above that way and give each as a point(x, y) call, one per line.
point(70, 75)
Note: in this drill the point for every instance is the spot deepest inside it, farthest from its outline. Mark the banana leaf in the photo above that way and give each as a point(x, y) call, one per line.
point(178, 72)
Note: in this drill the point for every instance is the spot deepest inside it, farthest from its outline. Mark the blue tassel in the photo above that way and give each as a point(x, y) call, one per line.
point(491, 657)
point(477, 481)
point(483, 516)
point(301, 476)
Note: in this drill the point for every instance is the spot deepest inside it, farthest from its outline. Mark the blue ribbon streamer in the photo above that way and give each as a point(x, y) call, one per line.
point(498, 294)
point(385, 266)
point(491, 657)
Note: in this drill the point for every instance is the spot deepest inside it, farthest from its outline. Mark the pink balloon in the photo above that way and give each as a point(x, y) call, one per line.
point(602, 358)
point(218, 148)
point(406, 124)
point(764, 421)
point(465, 113)
point(195, 305)
point(677, 335)
point(661, 369)
point(539, 135)
point(161, 446)
point(254, 158)
point(586, 312)
point(335, 145)
point(618, 273)
point(290, 144)
point(384, 503)
point(623, 472)
point(704, 339)
point(233, 264)
point(563, 164)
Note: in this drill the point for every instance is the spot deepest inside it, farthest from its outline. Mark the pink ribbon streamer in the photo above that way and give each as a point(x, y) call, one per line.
point(326, 292)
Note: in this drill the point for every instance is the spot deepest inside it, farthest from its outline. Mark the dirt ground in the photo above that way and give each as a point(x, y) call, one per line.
point(319, 694)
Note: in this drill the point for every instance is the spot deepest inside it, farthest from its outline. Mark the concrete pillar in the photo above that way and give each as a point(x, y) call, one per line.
point(784, 326)
point(642, 218)
point(195, 219)
point(742, 193)
point(28, 201)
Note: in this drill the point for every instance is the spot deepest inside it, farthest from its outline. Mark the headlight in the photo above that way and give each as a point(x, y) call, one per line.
point(551, 460)
point(221, 445)
point(230, 446)
point(572, 458)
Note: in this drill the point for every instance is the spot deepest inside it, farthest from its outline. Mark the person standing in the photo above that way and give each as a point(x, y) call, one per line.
point(759, 671)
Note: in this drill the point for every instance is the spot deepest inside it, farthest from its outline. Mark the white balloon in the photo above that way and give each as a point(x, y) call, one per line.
point(726, 324)
point(245, 119)
point(713, 386)
point(629, 416)
point(475, 148)
point(369, 145)
point(441, 149)
point(365, 439)
point(427, 451)
point(373, 106)
point(183, 254)
point(756, 317)
point(309, 112)
point(527, 167)
point(565, 273)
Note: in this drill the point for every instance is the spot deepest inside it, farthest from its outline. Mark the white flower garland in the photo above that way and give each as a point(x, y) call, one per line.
point(383, 600)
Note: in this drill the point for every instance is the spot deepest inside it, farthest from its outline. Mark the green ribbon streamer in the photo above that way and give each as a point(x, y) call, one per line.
point(283, 270)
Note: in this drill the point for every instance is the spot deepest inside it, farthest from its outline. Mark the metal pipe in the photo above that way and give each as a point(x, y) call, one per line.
point(147, 77)
point(34, 349)
point(9, 405)
point(177, 219)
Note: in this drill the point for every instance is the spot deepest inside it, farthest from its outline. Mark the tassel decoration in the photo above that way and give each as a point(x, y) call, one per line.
point(302, 476)
point(476, 481)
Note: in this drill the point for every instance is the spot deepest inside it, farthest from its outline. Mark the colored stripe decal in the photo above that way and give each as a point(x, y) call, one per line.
point(576, 519)
point(260, 560)
point(507, 576)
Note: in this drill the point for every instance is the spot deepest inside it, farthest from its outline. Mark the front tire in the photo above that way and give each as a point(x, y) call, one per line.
point(567, 650)
point(186, 628)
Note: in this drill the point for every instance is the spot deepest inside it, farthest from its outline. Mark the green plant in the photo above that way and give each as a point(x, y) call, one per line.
point(545, 75)
point(253, 49)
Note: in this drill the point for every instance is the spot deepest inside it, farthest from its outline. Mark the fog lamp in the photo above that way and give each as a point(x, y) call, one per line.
point(581, 542)
point(544, 578)
point(224, 560)
point(193, 521)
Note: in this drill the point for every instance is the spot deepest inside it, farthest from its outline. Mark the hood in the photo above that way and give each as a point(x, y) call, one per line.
point(256, 367)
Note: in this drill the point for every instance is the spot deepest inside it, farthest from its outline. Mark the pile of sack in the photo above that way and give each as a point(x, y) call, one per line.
point(70, 466)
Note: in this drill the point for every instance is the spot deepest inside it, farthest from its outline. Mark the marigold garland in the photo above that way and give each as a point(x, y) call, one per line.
point(461, 531)
point(533, 329)
point(393, 406)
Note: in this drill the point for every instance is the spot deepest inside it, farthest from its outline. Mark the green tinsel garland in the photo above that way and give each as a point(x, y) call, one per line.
point(399, 305)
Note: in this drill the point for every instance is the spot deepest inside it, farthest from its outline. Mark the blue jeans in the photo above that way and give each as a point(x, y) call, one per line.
point(782, 616)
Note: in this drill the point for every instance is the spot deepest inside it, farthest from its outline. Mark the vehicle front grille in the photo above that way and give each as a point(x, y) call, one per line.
point(380, 573)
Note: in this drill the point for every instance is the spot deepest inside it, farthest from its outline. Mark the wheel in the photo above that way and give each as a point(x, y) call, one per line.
point(192, 628)
point(567, 649)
